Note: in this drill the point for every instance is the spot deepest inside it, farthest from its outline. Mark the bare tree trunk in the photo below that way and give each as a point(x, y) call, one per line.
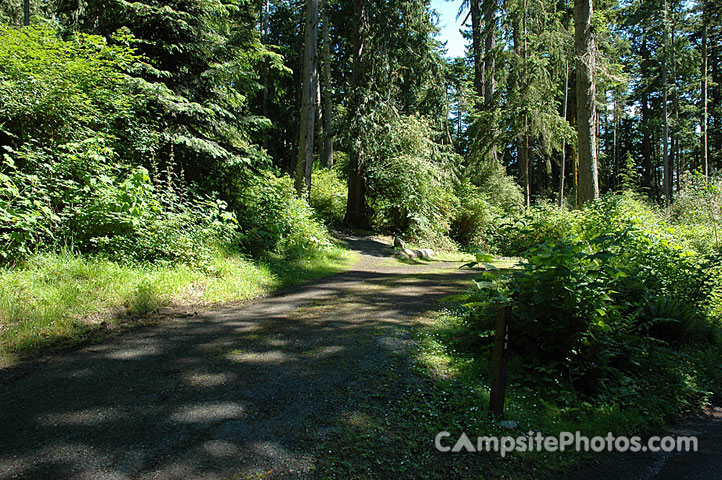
point(490, 7)
point(676, 159)
point(304, 165)
point(586, 96)
point(667, 179)
point(705, 95)
point(459, 110)
point(522, 141)
point(646, 140)
point(264, 33)
point(562, 169)
point(356, 208)
point(477, 47)
point(327, 150)
point(617, 124)
point(655, 164)
point(26, 13)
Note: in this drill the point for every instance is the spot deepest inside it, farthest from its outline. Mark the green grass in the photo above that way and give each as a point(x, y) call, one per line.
point(61, 298)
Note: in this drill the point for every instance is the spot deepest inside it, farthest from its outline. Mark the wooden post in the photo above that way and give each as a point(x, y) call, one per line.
point(501, 352)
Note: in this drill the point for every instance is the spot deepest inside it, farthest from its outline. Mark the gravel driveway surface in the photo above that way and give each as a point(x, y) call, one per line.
point(237, 392)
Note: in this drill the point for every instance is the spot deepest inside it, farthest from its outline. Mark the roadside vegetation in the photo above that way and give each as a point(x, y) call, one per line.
point(615, 327)
point(93, 228)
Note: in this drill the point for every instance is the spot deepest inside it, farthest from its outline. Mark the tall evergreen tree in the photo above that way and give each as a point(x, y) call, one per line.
point(586, 100)
point(304, 162)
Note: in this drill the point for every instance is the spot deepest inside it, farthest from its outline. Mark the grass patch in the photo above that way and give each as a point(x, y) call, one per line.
point(442, 256)
point(59, 298)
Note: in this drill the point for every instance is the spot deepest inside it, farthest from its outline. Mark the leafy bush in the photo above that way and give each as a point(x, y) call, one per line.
point(328, 195)
point(476, 219)
point(541, 222)
point(77, 131)
point(697, 212)
point(409, 187)
point(273, 219)
point(589, 307)
point(76, 197)
point(502, 189)
point(491, 199)
point(55, 91)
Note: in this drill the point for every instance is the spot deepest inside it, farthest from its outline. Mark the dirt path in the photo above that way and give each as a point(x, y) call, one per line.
point(244, 392)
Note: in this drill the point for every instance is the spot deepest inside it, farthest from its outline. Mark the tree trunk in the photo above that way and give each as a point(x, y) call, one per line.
point(477, 47)
point(304, 165)
point(617, 125)
point(522, 137)
point(26, 13)
point(564, 142)
point(490, 7)
point(266, 15)
point(667, 178)
point(705, 99)
point(356, 208)
point(327, 150)
point(586, 95)
point(676, 158)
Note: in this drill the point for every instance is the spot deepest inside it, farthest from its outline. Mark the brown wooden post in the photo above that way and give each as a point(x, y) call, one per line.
point(501, 351)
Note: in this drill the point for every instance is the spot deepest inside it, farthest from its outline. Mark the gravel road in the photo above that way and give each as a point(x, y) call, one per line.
point(237, 392)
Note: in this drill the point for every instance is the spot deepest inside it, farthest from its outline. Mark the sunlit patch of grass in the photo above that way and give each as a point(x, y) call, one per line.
point(454, 257)
point(59, 298)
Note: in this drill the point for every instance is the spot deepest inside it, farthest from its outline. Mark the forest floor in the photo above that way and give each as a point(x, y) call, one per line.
point(246, 391)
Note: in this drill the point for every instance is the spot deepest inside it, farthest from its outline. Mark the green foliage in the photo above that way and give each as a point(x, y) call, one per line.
point(76, 132)
point(492, 199)
point(654, 385)
point(328, 195)
point(77, 197)
point(54, 91)
point(629, 178)
point(697, 211)
point(273, 219)
point(533, 226)
point(592, 300)
point(200, 62)
point(82, 143)
point(409, 187)
point(476, 218)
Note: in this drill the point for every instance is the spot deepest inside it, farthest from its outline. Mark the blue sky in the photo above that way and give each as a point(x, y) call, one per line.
point(449, 26)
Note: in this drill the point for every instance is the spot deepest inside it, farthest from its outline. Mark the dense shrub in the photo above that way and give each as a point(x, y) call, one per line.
point(410, 180)
point(476, 219)
point(697, 212)
point(599, 291)
point(492, 200)
point(56, 91)
point(82, 140)
point(536, 224)
point(328, 195)
point(272, 218)
point(76, 197)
